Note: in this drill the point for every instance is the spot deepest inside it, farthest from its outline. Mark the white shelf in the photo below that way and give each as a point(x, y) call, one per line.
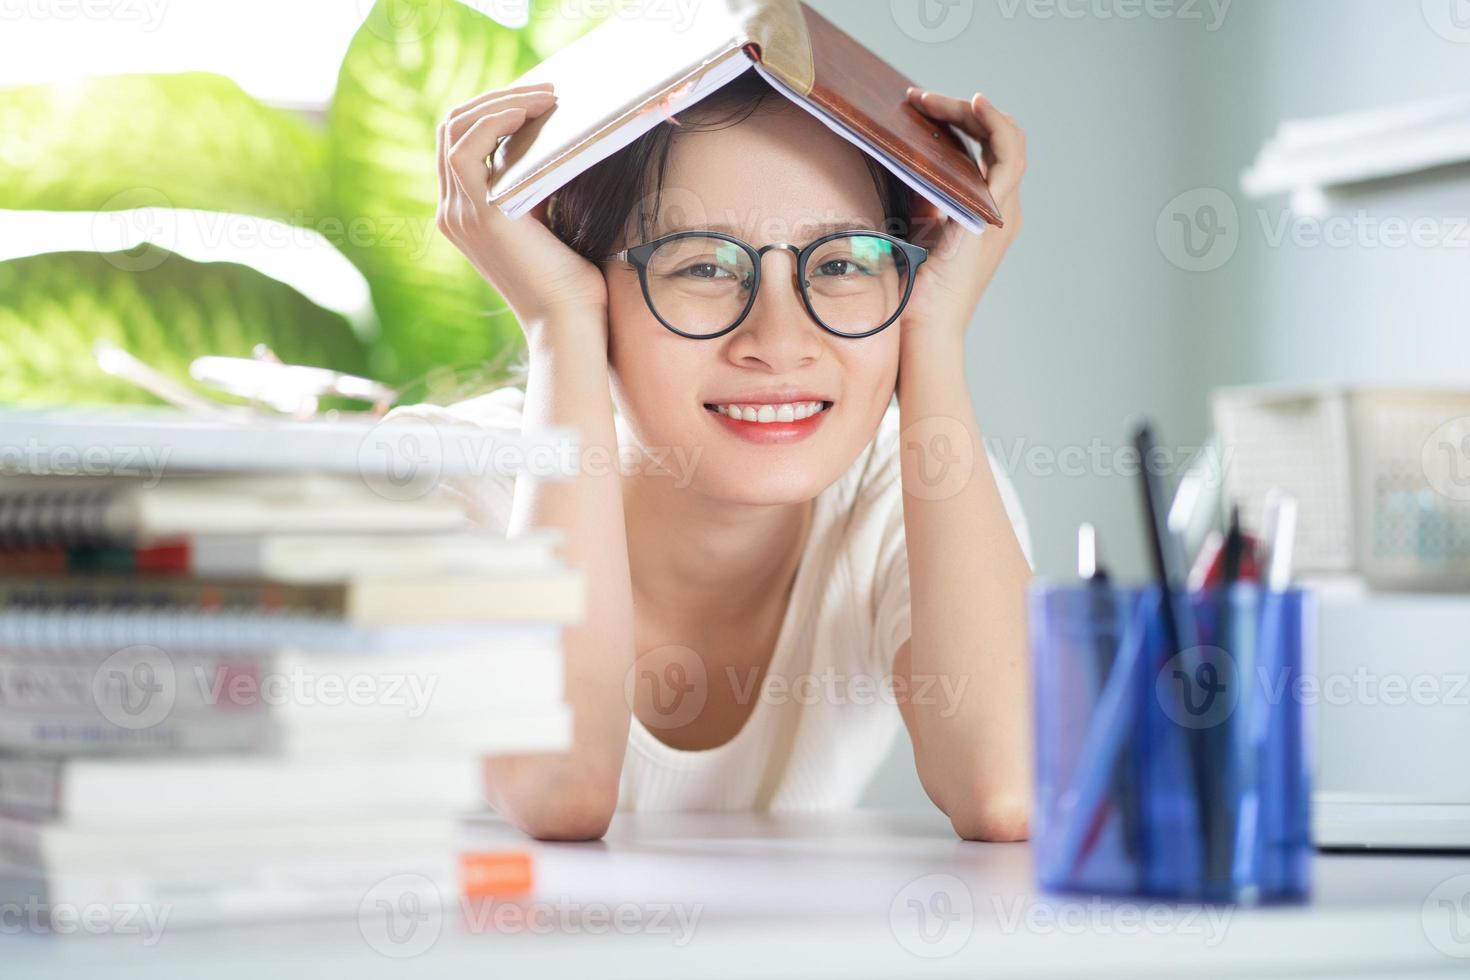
point(1308, 158)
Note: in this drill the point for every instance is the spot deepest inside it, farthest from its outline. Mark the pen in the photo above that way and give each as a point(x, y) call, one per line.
point(1263, 804)
point(1103, 615)
point(1181, 637)
point(1196, 503)
point(1219, 740)
point(1279, 539)
point(1100, 602)
point(1165, 553)
point(1232, 551)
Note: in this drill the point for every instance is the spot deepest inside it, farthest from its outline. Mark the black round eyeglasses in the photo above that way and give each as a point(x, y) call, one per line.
point(703, 284)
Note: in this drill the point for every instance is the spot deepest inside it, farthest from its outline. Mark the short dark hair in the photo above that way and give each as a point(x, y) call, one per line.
point(591, 212)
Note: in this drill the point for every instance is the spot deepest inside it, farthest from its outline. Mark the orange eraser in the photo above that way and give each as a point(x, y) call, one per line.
point(494, 874)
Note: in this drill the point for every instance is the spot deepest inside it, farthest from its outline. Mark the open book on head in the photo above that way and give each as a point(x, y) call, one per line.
point(642, 67)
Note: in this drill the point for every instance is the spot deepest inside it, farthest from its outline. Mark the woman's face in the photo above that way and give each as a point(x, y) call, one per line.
point(778, 176)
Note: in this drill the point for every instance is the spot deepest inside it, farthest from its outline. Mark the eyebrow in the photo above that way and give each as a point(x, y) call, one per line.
point(814, 231)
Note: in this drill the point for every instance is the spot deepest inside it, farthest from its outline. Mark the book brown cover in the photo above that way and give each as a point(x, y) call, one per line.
point(632, 66)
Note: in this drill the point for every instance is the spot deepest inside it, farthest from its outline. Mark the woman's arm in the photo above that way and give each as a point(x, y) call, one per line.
point(967, 573)
point(572, 797)
point(560, 301)
point(967, 580)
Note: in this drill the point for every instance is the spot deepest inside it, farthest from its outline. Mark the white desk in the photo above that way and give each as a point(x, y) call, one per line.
point(818, 896)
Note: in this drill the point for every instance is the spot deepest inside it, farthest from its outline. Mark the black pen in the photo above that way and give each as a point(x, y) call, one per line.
point(1220, 846)
point(1232, 551)
point(1181, 637)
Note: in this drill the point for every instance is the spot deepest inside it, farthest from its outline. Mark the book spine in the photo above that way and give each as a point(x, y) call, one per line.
point(156, 796)
point(325, 889)
point(333, 449)
point(161, 559)
point(73, 630)
point(57, 735)
point(298, 688)
point(377, 891)
point(31, 788)
point(545, 728)
point(115, 592)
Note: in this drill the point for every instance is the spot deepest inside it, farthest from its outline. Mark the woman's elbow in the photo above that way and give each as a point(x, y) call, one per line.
point(570, 807)
point(1001, 818)
point(571, 823)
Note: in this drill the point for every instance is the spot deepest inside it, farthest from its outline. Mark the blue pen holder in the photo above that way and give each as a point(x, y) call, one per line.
point(1164, 773)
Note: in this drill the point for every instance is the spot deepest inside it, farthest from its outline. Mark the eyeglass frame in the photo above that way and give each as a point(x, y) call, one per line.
point(638, 256)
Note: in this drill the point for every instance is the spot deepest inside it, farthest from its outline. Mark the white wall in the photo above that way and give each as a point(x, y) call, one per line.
point(1095, 317)
point(1367, 312)
point(1080, 329)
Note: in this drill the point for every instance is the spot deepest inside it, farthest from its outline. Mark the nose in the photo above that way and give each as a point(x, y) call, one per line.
point(778, 332)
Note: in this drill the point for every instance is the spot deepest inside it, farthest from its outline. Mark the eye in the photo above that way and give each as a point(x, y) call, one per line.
point(841, 267)
point(713, 273)
point(708, 270)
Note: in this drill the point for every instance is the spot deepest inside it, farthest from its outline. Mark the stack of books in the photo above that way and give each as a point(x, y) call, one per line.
point(233, 693)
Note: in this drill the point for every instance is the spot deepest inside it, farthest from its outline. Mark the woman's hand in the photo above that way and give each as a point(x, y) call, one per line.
point(538, 275)
point(961, 264)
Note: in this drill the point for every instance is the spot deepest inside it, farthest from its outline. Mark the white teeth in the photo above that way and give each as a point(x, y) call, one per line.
point(788, 412)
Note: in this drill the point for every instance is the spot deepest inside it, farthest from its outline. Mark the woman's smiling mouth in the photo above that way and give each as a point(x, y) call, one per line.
point(766, 412)
point(768, 422)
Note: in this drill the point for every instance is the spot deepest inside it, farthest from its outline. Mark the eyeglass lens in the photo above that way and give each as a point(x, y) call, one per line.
point(700, 285)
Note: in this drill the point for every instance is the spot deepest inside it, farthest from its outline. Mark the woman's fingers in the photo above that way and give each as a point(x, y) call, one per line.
point(467, 154)
point(441, 160)
point(454, 187)
point(1006, 148)
point(496, 93)
point(1002, 141)
point(535, 103)
point(461, 160)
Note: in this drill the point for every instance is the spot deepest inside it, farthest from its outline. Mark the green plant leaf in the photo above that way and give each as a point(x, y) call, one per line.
point(161, 307)
point(406, 67)
point(191, 140)
point(549, 29)
point(400, 75)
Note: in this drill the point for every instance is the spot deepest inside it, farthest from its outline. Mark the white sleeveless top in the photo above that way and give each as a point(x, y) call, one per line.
point(825, 716)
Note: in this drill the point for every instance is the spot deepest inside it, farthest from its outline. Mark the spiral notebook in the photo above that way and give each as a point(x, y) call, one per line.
point(642, 67)
point(232, 631)
point(104, 510)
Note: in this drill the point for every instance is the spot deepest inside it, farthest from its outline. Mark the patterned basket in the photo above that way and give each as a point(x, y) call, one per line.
point(1382, 476)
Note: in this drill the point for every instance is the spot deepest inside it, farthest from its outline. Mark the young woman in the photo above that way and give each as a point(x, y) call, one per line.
point(698, 300)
